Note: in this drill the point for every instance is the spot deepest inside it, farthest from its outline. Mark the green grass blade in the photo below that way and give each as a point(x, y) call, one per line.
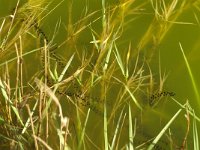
point(15, 58)
point(106, 143)
point(95, 41)
point(191, 75)
point(116, 130)
point(108, 57)
point(28, 120)
point(119, 60)
point(195, 134)
point(65, 69)
point(131, 135)
point(83, 131)
point(133, 98)
point(155, 141)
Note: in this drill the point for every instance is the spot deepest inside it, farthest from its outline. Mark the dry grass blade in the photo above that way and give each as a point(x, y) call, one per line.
point(47, 90)
point(43, 142)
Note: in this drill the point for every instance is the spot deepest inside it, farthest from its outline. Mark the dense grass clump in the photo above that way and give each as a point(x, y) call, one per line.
point(85, 81)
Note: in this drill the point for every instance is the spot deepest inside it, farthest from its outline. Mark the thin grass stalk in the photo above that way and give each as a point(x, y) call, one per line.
point(45, 88)
point(117, 145)
point(32, 127)
point(130, 128)
point(2, 24)
point(21, 65)
point(103, 14)
point(78, 123)
point(40, 113)
point(17, 75)
point(7, 79)
point(66, 133)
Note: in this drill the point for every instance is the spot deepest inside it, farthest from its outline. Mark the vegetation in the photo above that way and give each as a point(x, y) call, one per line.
point(92, 87)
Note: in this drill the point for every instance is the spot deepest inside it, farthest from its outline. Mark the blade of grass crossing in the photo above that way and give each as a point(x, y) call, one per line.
point(28, 120)
point(130, 93)
point(133, 98)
